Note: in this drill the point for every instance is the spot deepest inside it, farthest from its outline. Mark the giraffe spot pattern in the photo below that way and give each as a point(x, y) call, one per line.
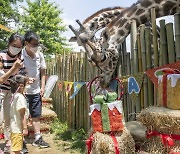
point(140, 11)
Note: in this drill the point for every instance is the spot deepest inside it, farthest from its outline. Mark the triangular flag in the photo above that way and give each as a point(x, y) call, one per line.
point(135, 90)
point(68, 86)
point(77, 87)
point(60, 85)
point(152, 73)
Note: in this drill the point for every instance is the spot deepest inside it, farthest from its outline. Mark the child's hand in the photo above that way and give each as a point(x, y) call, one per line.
point(25, 131)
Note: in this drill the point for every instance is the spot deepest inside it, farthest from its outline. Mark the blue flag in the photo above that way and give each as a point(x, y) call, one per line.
point(77, 87)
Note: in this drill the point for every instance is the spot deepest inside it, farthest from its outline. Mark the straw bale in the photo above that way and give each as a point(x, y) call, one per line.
point(103, 144)
point(48, 115)
point(138, 132)
point(161, 119)
point(44, 128)
point(173, 96)
point(154, 145)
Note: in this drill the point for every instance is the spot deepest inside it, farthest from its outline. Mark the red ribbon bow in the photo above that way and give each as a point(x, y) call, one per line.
point(167, 140)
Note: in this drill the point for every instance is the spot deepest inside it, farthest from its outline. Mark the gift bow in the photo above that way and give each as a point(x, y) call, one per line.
point(167, 140)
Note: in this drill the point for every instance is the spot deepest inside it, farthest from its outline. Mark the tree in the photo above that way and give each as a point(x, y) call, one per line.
point(8, 14)
point(44, 18)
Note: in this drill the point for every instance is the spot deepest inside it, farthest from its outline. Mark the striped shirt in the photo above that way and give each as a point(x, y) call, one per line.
point(8, 62)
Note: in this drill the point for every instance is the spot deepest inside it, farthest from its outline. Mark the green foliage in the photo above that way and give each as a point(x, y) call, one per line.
point(8, 14)
point(44, 18)
point(76, 137)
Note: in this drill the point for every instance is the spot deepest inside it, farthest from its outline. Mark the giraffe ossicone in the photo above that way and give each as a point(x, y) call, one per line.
point(104, 51)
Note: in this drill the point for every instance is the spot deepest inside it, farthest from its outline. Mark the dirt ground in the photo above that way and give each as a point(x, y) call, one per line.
point(56, 146)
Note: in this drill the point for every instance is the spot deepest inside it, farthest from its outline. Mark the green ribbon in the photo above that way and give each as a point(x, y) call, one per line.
point(99, 99)
point(111, 96)
point(105, 117)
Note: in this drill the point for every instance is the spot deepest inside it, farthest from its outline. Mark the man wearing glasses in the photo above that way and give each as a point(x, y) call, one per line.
point(35, 67)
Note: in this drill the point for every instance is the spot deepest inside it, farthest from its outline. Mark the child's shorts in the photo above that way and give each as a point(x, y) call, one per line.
point(16, 141)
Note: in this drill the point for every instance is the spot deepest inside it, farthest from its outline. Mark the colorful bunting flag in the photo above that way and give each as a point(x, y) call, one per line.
point(60, 85)
point(68, 86)
point(77, 87)
point(135, 88)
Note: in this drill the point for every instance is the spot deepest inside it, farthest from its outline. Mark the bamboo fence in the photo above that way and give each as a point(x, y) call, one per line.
point(75, 67)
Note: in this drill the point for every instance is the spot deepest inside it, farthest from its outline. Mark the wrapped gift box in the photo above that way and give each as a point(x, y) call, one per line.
point(107, 116)
point(169, 92)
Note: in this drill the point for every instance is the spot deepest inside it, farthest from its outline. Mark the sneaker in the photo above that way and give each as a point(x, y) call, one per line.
point(7, 149)
point(24, 150)
point(40, 143)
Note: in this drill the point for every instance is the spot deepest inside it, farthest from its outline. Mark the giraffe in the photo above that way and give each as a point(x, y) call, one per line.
point(104, 51)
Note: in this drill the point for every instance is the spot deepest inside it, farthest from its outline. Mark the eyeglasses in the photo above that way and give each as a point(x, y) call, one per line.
point(34, 44)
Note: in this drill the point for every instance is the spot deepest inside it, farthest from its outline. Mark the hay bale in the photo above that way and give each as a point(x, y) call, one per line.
point(161, 119)
point(44, 128)
point(47, 102)
point(138, 132)
point(173, 97)
point(155, 145)
point(48, 115)
point(102, 143)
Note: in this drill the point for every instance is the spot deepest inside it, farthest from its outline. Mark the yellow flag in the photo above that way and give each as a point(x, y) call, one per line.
point(68, 86)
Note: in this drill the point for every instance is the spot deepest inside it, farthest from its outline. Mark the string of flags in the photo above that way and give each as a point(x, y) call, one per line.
point(132, 83)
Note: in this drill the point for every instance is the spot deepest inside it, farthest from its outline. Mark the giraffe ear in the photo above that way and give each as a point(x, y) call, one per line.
point(105, 34)
point(93, 26)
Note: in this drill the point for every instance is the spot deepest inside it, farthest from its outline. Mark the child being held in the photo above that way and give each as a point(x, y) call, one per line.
point(18, 113)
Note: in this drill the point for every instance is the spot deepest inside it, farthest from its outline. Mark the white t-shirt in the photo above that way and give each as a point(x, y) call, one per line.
point(19, 102)
point(33, 68)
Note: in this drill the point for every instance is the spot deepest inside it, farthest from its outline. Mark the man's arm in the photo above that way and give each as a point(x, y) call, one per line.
point(15, 66)
point(43, 80)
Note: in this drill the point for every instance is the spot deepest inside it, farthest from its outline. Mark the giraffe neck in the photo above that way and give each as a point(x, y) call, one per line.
point(103, 17)
point(140, 12)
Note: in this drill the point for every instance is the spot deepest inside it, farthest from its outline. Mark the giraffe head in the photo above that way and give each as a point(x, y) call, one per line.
point(84, 32)
point(101, 53)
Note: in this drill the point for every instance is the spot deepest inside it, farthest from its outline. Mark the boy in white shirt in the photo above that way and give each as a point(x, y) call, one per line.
point(18, 113)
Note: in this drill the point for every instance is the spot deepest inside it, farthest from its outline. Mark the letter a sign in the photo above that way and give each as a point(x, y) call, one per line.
point(133, 85)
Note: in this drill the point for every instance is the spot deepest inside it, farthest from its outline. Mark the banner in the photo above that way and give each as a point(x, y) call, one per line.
point(77, 87)
point(134, 85)
point(68, 86)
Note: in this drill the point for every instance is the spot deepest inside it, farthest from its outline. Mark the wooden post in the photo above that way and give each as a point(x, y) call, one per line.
point(163, 43)
point(177, 35)
point(149, 64)
point(153, 20)
point(170, 41)
point(144, 66)
point(135, 56)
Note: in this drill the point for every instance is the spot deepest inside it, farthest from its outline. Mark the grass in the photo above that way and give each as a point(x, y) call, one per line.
point(75, 137)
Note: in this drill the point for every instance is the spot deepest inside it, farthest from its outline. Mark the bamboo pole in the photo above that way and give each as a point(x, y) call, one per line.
point(163, 43)
point(134, 61)
point(124, 63)
point(141, 94)
point(177, 35)
point(154, 31)
point(149, 64)
point(170, 41)
point(144, 65)
point(129, 102)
